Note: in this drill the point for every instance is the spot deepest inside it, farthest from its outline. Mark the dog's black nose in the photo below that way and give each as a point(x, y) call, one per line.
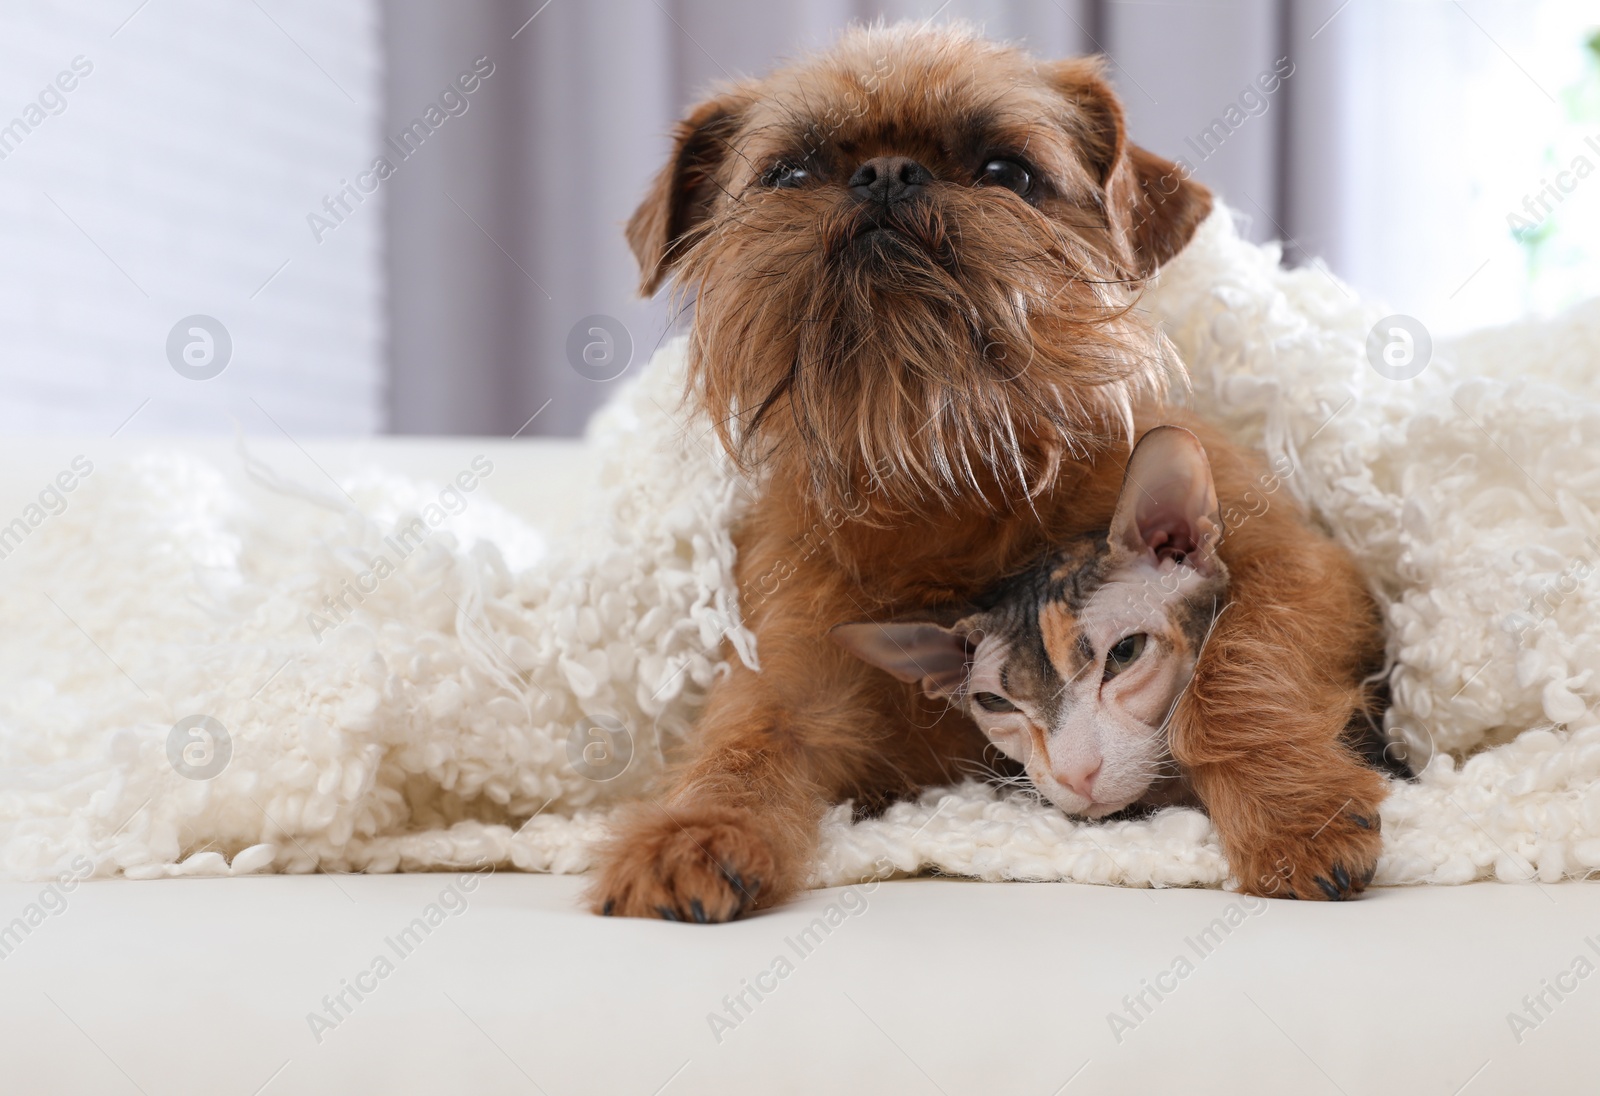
point(889, 179)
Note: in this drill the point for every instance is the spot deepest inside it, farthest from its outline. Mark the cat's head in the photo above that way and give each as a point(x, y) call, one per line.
point(1073, 667)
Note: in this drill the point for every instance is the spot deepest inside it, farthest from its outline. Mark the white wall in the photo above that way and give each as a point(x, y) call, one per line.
point(176, 179)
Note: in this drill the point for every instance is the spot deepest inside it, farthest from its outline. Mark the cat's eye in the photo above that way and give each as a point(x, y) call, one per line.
point(1009, 174)
point(993, 702)
point(1123, 654)
point(786, 176)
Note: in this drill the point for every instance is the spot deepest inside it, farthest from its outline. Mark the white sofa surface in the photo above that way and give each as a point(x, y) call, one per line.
point(927, 985)
point(203, 986)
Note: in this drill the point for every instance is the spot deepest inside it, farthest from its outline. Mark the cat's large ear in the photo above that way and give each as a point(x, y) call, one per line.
point(934, 655)
point(1168, 506)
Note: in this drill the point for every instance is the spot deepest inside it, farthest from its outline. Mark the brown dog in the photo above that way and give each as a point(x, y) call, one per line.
point(914, 259)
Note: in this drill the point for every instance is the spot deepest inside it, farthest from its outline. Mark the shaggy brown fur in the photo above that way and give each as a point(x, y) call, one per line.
point(942, 387)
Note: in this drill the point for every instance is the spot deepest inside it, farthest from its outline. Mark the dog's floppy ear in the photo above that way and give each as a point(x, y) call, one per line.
point(1152, 204)
point(680, 197)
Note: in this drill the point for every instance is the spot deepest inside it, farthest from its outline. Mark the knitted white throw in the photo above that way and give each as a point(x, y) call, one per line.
point(432, 716)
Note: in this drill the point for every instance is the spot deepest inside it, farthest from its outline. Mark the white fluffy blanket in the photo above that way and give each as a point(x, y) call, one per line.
point(436, 719)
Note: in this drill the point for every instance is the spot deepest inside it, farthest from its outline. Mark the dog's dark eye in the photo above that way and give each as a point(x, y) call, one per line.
point(1123, 654)
point(787, 176)
point(993, 702)
point(1007, 173)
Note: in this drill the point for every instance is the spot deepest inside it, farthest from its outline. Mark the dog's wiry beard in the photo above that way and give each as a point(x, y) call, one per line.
point(951, 359)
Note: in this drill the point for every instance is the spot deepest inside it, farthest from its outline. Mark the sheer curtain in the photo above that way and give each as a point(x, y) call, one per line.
point(159, 163)
point(1393, 142)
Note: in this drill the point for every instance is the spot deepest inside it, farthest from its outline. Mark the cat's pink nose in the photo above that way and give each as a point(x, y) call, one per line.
point(1080, 778)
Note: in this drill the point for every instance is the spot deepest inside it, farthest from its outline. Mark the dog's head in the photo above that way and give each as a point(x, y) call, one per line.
point(913, 259)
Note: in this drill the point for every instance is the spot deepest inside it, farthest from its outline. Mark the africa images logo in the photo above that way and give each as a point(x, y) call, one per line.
point(51, 100)
point(452, 102)
point(52, 501)
point(411, 531)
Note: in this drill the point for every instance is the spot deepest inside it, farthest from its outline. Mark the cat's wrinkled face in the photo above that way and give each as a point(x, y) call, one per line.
point(1073, 667)
point(1074, 672)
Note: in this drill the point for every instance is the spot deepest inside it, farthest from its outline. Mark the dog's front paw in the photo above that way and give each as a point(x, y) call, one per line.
point(1333, 863)
point(701, 864)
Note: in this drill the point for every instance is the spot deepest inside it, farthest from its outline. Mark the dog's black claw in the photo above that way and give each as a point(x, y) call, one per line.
point(1362, 820)
point(1341, 877)
point(605, 910)
point(1329, 889)
point(1291, 895)
point(668, 914)
point(1370, 872)
point(698, 911)
point(747, 888)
